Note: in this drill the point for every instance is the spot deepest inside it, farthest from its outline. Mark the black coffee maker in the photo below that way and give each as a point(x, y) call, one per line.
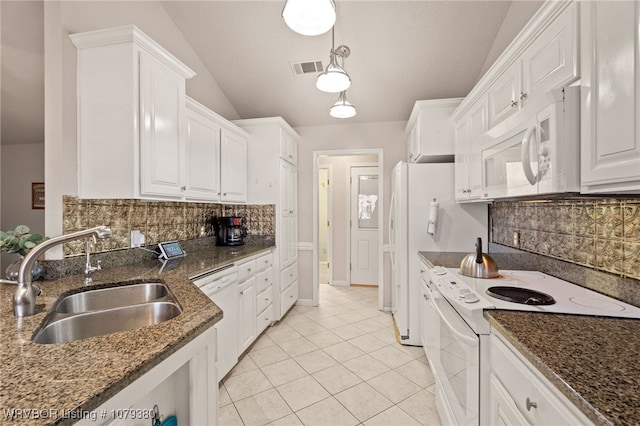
point(230, 230)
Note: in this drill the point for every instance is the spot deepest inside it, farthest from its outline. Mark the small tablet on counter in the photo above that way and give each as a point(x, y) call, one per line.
point(170, 250)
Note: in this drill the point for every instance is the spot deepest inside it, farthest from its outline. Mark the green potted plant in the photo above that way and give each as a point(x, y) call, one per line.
point(20, 241)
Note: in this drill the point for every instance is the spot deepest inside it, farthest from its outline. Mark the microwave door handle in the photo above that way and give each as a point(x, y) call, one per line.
point(525, 156)
point(465, 339)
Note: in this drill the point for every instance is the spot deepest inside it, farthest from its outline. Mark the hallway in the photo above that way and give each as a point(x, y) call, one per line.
point(335, 364)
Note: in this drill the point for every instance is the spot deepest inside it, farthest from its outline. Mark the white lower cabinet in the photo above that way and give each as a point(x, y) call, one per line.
point(521, 395)
point(246, 313)
point(184, 385)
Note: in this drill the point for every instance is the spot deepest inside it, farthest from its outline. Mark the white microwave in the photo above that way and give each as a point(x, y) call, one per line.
point(536, 151)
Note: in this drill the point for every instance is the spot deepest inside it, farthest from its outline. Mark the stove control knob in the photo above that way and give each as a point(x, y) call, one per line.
point(470, 298)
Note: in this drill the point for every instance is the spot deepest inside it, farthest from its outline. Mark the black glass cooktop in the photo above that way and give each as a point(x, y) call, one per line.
point(520, 295)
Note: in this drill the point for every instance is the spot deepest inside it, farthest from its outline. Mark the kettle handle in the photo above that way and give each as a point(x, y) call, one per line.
point(479, 250)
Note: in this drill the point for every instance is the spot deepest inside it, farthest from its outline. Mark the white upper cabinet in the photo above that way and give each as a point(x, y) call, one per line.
point(468, 162)
point(233, 166)
point(430, 132)
point(546, 60)
point(610, 110)
point(288, 147)
point(131, 116)
point(202, 171)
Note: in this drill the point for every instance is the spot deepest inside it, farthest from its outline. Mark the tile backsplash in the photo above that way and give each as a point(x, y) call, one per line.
point(157, 220)
point(600, 233)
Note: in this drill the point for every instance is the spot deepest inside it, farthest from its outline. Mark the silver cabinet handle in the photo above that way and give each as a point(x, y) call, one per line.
point(225, 194)
point(523, 95)
point(183, 188)
point(514, 104)
point(531, 404)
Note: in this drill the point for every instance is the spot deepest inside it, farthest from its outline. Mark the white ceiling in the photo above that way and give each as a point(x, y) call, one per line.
point(401, 51)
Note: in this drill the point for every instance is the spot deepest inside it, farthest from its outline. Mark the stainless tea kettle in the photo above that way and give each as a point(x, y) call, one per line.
point(479, 265)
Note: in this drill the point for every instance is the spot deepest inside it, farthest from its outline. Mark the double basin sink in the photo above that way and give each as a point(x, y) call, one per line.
point(96, 312)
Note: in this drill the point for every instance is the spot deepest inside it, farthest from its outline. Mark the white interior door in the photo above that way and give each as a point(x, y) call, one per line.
point(325, 240)
point(364, 214)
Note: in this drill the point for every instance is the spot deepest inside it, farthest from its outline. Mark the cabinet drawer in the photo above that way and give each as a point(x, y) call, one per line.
point(264, 319)
point(264, 262)
point(264, 279)
point(264, 299)
point(288, 275)
point(535, 398)
point(246, 270)
point(288, 298)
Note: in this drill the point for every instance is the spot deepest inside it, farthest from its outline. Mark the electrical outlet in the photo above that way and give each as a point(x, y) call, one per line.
point(137, 239)
point(516, 239)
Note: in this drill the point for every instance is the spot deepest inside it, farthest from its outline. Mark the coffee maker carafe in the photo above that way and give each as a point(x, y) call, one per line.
point(230, 230)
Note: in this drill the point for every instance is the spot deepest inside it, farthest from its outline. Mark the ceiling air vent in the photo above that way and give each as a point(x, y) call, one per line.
point(308, 67)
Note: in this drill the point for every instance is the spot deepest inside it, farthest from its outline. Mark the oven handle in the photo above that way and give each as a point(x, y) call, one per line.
point(465, 339)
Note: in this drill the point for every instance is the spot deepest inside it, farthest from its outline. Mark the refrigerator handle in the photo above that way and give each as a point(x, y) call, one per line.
point(391, 224)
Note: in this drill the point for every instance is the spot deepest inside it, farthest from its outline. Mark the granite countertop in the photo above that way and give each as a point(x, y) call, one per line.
point(82, 375)
point(593, 361)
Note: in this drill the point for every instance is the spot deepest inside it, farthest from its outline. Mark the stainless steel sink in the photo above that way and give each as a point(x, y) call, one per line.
point(97, 323)
point(96, 312)
point(112, 297)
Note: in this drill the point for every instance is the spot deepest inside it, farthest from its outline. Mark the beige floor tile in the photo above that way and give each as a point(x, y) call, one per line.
point(363, 401)
point(245, 365)
point(324, 339)
point(283, 372)
point(283, 333)
point(267, 356)
point(394, 416)
point(336, 379)
point(228, 416)
point(308, 328)
point(369, 326)
point(331, 322)
point(422, 407)
point(418, 372)
point(391, 356)
point(367, 343)
point(302, 392)
point(325, 413)
point(246, 384)
point(315, 361)
point(348, 331)
point(394, 386)
point(366, 367)
point(262, 408)
point(343, 351)
point(295, 319)
point(317, 314)
point(351, 317)
point(223, 396)
point(387, 335)
point(263, 342)
point(298, 347)
point(290, 420)
point(414, 351)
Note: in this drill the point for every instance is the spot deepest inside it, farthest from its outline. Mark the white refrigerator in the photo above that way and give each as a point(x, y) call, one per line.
point(414, 187)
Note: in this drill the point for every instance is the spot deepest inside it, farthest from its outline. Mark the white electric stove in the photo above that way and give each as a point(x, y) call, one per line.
point(456, 333)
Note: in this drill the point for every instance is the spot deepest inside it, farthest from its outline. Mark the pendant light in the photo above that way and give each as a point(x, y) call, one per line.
point(309, 17)
point(342, 108)
point(334, 79)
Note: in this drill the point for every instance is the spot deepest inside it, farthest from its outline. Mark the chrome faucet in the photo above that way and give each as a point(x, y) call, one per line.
point(24, 301)
point(88, 268)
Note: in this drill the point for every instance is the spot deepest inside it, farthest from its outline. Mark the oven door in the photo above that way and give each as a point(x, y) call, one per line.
point(453, 350)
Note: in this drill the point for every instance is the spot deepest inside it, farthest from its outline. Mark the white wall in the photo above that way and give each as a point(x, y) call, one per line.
point(66, 17)
point(388, 136)
point(519, 13)
point(21, 165)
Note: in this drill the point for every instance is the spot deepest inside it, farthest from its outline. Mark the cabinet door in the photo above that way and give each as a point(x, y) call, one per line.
point(502, 410)
point(504, 95)
point(293, 204)
point(477, 127)
point(202, 152)
point(461, 159)
point(552, 59)
point(162, 104)
point(610, 110)
point(288, 147)
point(247, 314)
point(413, 144)
point(233, 167)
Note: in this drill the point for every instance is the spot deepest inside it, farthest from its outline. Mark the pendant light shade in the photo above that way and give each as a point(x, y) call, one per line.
point(342, 108)
point(334, 79)
point(309, 17)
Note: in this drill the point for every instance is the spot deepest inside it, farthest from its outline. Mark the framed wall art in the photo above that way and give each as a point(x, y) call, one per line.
point(37, 195)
